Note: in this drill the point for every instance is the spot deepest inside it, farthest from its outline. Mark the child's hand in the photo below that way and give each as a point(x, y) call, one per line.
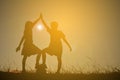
point(17, 49)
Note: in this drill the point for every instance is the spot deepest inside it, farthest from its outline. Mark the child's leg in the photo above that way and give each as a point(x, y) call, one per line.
point(59, 63)
point(44, 55)
point(37, 60)
point(43, 58)
point(23, 63)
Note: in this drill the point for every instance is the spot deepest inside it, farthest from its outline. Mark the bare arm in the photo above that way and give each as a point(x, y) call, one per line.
point(18, 48)
point(64, 39)
point(45, 25)
point(36, 21)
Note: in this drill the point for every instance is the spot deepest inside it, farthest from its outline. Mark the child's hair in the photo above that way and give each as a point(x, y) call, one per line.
point(28, 26)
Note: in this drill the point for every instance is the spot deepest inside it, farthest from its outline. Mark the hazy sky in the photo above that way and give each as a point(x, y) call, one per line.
point(92, 27)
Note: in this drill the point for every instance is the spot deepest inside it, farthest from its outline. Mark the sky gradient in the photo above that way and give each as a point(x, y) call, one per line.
point(91, 27)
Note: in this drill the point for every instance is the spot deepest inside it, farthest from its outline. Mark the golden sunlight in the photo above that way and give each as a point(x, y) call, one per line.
point(39, 27)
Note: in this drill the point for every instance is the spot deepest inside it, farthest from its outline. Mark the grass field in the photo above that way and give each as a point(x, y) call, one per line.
point(62, 76)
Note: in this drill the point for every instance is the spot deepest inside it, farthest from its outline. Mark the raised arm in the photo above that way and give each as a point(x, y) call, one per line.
point(18, 48)
point(45, 25)
point(36, 21)
point(64, 39)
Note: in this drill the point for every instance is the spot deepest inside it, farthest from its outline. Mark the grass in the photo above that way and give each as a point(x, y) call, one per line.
point(65, 76)
point(97, 75)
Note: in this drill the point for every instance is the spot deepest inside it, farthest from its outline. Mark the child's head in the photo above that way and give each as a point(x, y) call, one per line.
point(54, 25)
point(28, 26)
point(28, 23)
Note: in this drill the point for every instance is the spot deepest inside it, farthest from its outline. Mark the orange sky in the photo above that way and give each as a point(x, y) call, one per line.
point(91, 27)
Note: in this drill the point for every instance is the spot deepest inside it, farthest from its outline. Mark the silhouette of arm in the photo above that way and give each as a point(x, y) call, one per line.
point(36, 21)
point(18, 48)
point(64, 39)
point(45, 25)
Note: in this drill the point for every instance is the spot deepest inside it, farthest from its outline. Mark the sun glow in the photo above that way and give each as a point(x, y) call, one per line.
point(39, 27)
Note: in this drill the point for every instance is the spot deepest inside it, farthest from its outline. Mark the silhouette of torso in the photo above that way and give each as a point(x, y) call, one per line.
point(55, 41)
point(28, 35)
point(28, 47)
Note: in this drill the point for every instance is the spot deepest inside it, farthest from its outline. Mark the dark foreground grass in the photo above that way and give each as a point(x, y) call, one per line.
point(65, 76)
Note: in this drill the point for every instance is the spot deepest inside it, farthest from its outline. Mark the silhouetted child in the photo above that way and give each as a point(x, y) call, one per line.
point(55, 46)
point(28, 47)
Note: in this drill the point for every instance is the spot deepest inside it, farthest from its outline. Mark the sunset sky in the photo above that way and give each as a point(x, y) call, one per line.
point(92, 27)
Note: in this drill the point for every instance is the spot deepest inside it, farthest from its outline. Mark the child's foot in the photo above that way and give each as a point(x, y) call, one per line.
point(23, 71)
point(57, 72)
point(45, 66)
